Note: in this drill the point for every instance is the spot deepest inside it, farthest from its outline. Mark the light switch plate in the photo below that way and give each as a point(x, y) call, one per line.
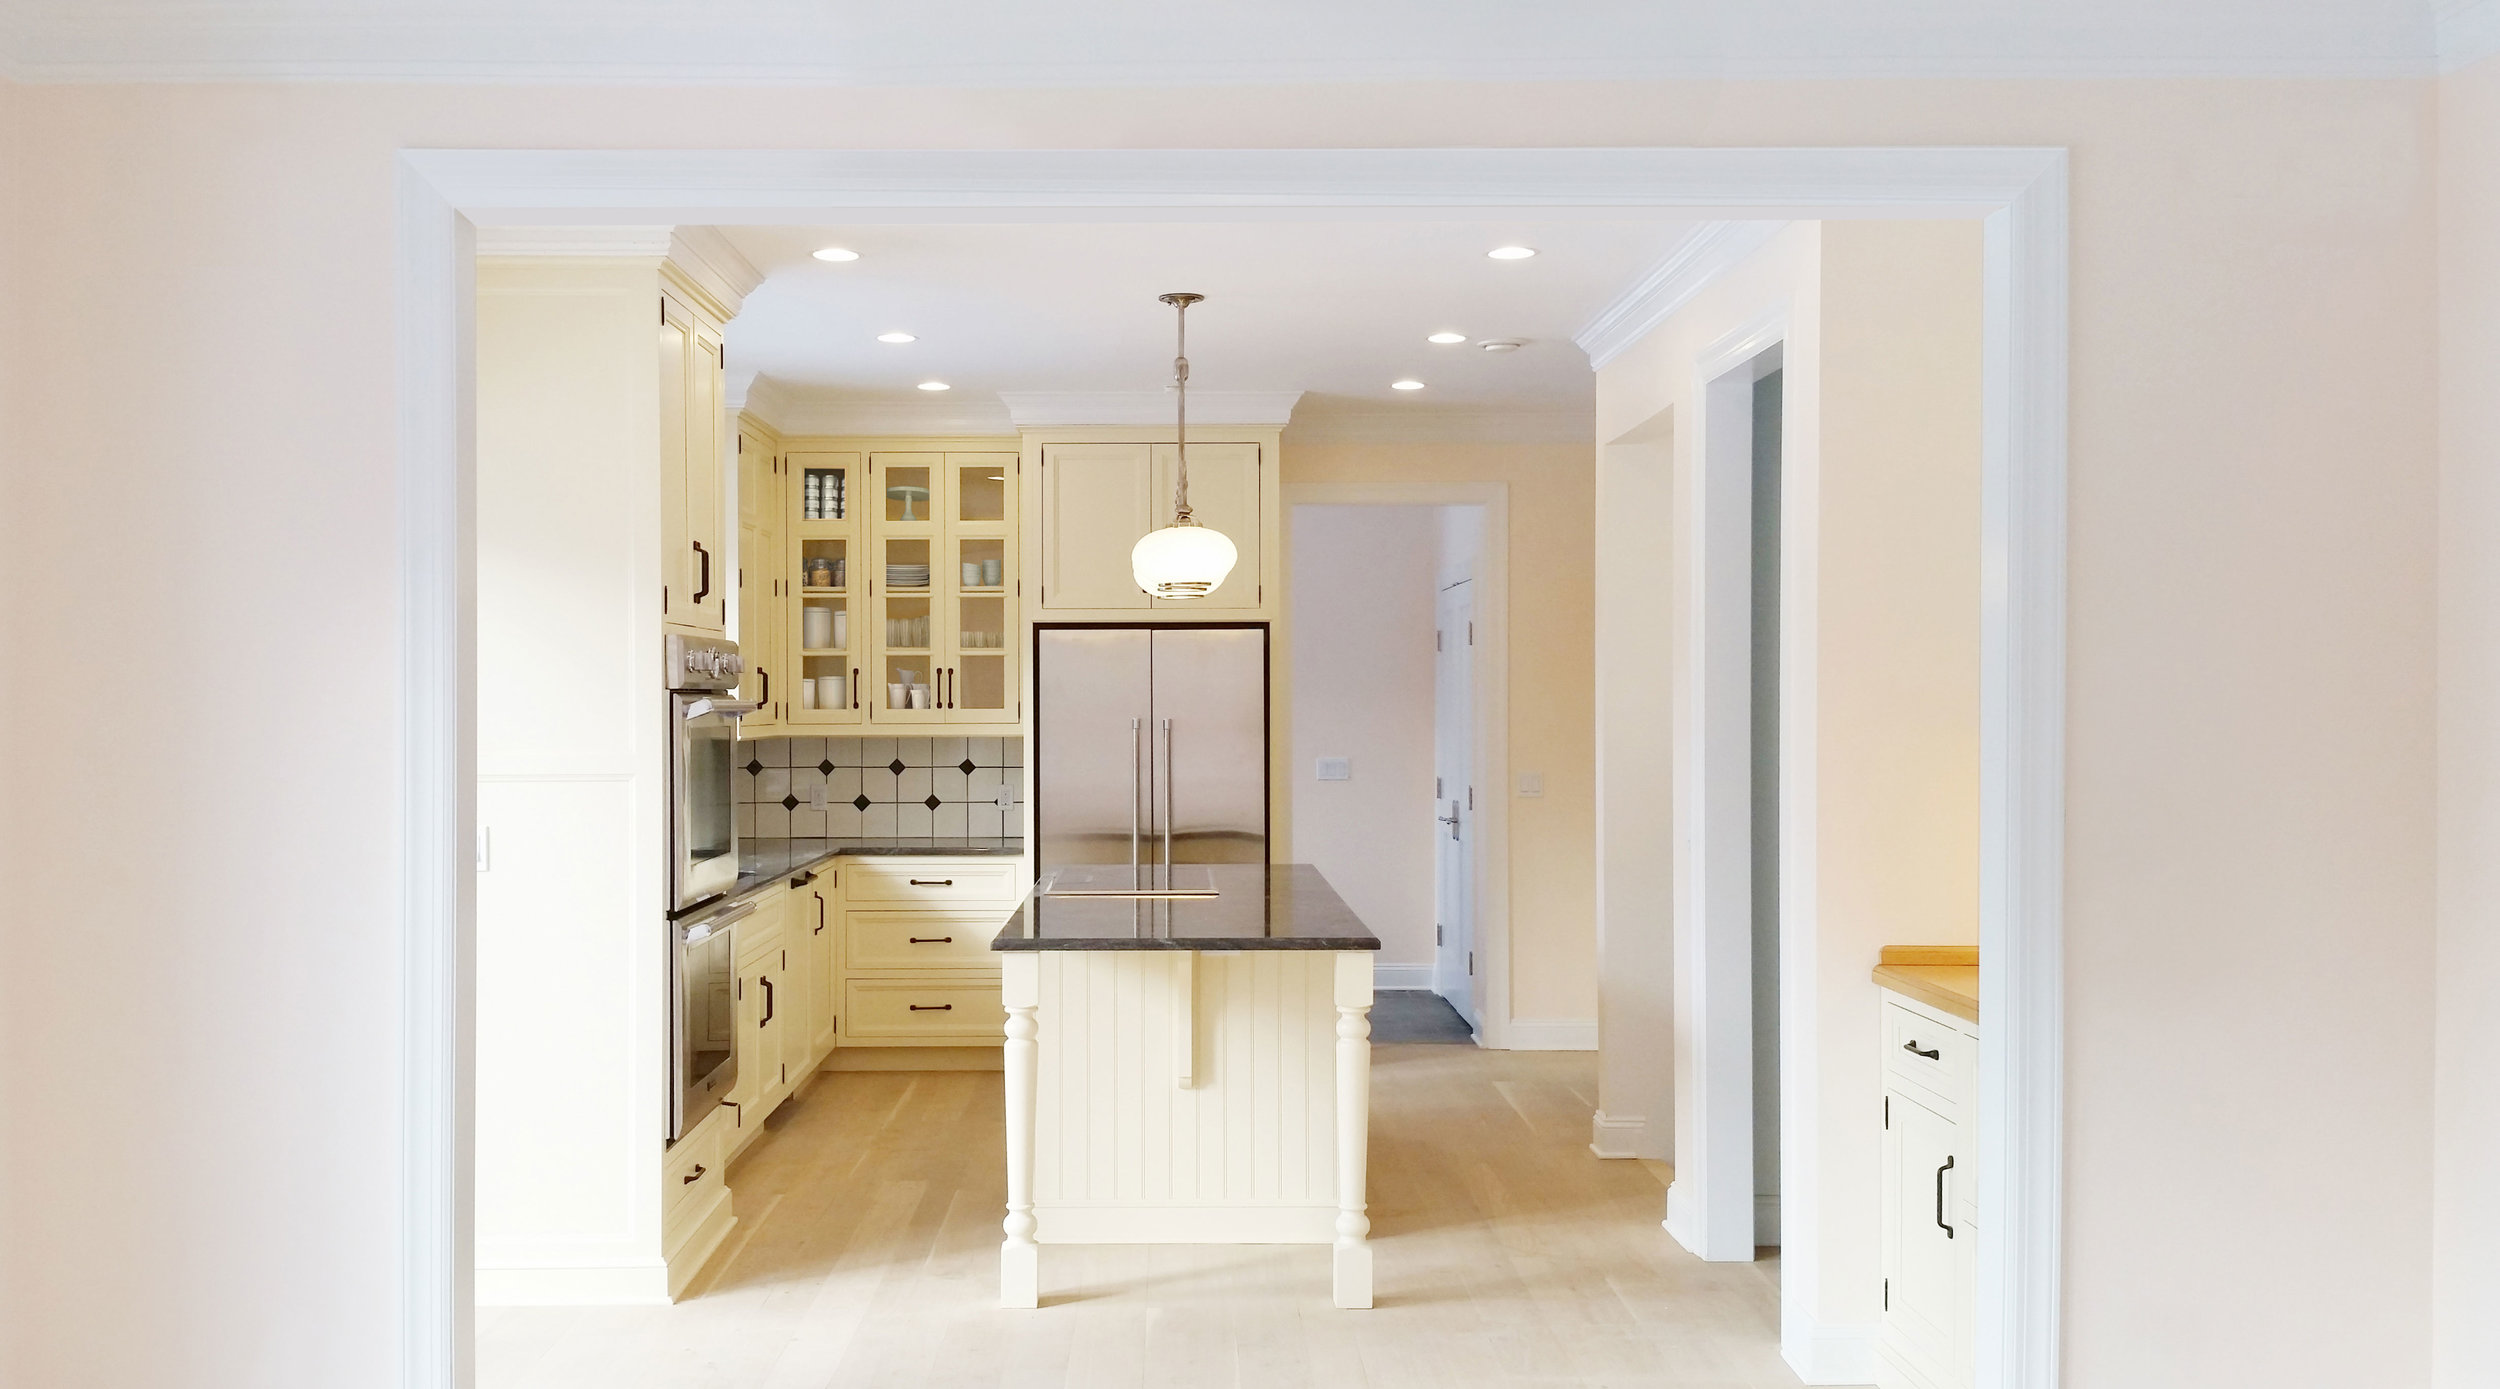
point(1532, 783)
point(1335, 769)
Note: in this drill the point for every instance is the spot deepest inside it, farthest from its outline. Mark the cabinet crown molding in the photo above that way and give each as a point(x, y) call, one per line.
point(1077, 409)
point(702, 254)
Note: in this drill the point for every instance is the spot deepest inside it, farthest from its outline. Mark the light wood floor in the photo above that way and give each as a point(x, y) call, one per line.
point(867, 1255)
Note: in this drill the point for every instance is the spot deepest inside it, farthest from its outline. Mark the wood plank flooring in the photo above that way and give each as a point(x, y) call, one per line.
point(867, 1255)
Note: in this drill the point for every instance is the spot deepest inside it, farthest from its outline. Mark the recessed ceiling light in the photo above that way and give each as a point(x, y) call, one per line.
point(935, 386)
point(896, 337)
point(1447, 337)
point(1497, 253)
point(1409, 384)
point(843, 253)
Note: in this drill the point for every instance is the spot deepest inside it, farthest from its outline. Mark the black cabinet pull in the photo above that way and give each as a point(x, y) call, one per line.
point(933, 882)
point(767, 696)
point(933, 940)
point(820, 913)
point(933, 1007)
point(703, 589)
point(854, 687)
point(767, 981)
point(692, 1177)
point(1912, 1047)
point(1948, 1166)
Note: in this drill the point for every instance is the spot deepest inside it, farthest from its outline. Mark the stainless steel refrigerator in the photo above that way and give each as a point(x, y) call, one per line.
point(1149, 746)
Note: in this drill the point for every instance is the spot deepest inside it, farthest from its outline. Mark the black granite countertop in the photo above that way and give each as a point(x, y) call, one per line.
point(1282, 906)
point(762, 860)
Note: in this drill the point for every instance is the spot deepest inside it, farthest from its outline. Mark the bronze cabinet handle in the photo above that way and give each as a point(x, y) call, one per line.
point(1913, 1048)
point(933, 1007)
point(933, 940)
point(703, 590)
point(820, 913)
point(692, 1177)
point(767, 981)
point(933, 882)
point(1948, 1166)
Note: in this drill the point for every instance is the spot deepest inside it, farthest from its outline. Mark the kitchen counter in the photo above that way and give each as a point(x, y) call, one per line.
point(1944, 977)
point(1283, 906)
point(760, 861)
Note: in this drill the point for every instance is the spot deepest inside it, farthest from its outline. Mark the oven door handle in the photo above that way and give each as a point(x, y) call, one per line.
point(711, 926)
point(705, 708)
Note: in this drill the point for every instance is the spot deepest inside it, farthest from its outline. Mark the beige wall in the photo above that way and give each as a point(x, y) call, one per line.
point(1880, 685)
point(2466, 1309)
point(1553, 959)
point(1362, 593)
point(202, 386)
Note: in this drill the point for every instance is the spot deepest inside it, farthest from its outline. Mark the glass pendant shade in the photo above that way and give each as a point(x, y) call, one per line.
point(1182, 561)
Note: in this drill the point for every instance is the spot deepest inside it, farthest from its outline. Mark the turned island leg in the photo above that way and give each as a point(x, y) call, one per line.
point(1019, 1258)
point(1352, 1284)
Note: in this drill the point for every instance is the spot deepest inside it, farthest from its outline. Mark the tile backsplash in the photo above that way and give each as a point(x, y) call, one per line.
point(880, 788)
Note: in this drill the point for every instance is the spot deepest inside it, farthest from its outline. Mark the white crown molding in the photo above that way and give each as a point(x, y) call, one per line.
point(795, 411)
point(1449, 424)
point(849, 45)
point(701, 252)
point(1670, 285)
point(758, 395)
point(1078, 409)
point(2468, 32)
point(652, 242)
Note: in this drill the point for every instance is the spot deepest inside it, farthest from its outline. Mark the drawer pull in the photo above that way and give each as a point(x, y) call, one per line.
point(933, 1007)
point(1912, 1047)
point(933, 882)
point(692, 1177)
point(933, 940)
point(1948, 1166)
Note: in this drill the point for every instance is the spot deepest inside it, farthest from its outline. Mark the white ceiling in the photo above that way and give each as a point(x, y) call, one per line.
point(1336, 309)
point(1135, 42)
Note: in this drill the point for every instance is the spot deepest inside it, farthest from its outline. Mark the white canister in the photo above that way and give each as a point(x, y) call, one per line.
point(841, 629)
point(829, 692)
point(807, 694)
point(816, 622)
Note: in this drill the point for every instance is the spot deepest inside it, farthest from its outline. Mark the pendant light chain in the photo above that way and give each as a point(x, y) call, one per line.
point(1180, 377)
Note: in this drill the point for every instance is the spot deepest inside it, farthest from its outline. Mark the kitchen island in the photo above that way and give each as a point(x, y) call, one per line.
point(1188, 1060)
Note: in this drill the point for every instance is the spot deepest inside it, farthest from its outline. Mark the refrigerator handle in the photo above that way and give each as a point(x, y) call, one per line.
point(1167, 802)
point(1136, 792)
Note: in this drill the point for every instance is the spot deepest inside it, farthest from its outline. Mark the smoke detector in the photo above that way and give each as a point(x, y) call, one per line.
point(1501, 344)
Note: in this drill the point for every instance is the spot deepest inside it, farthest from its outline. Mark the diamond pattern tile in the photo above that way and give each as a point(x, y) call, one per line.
point(861, 802)
point(965, 766)
point(895, 766)
point(789, 802)
point(825, 766)
point(931, 803)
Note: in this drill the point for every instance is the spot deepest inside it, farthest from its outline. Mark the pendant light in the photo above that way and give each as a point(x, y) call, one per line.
point(1184, 559)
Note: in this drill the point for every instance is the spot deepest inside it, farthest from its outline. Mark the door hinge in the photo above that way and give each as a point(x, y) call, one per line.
point(1436, 788)
point(742, 445)
point(664, 308)
point(1471, 634)
point(1471, 964)
point(663, 598)
point(1471, 798)
point(1887, 1113)
point(785, 1072)
point(739, 990)
point(1887, 1294)
point(1436, 641)
point(1436, 933)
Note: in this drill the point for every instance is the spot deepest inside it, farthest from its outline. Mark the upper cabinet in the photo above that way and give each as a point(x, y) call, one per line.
point(1097, 498)
point(694, 559)
point(763, 596)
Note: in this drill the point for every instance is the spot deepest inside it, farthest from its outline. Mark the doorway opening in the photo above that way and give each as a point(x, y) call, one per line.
point(1389, 797)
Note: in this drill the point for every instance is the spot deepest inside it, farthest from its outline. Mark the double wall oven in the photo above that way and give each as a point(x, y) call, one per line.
point(703, 716)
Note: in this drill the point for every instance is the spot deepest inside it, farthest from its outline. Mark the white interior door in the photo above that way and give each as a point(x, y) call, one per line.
point(1454, 972)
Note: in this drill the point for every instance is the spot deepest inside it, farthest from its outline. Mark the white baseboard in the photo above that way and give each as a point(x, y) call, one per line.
point(1185, 1224)
point(1679, 1221)
point(1550, 1034)
point(1618, 1135)
point(1402, 977)
point(1824, 1353)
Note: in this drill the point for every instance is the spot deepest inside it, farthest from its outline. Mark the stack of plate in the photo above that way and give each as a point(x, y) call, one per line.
point(907, 576)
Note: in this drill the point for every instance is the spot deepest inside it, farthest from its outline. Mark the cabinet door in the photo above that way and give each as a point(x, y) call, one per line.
point(1223, 495)
point(822, 635)
point(1927, 1312)
point(981, 579)
point(816, 914)
point(677, 569)
point(706, 481)
point(1098, 501)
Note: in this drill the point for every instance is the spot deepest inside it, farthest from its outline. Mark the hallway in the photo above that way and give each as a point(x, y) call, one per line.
point(867, 1255)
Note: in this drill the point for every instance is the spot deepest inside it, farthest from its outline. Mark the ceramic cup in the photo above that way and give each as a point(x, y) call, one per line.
point(818, 624)
point(829, 692)
point(898, 696)
point(807, 694)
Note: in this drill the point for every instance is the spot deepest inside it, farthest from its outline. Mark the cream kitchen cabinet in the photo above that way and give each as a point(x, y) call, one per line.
point(822, 625)
point(815, 908)
point(1930, 1255)
point(695, 578)
point(764, 1002)
point(1093, 500)
point(917, 969)
point(763, 588)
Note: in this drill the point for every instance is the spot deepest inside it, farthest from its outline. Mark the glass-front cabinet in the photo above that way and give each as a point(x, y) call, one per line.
point(823, 643)
point(945, 588)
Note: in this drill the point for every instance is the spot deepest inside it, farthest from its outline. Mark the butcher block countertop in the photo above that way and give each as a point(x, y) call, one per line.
point(1941, 976)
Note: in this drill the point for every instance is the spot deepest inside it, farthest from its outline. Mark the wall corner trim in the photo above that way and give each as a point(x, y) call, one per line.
point(1617, 1135)
point(1826, 1353)
point(1708, 253)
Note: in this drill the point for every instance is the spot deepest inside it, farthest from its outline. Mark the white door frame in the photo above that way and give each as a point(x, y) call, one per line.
point(2020, 193)
point(1489, 864)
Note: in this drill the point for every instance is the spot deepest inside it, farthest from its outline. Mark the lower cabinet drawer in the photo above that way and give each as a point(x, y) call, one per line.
point(909, 940)
point(1920, 1051)
point(953, 1009)
point(903, 882)
point(690, 1175)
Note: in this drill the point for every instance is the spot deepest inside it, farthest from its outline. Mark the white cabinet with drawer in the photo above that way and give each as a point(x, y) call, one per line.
point(1930, 1185)
point(917, 969)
